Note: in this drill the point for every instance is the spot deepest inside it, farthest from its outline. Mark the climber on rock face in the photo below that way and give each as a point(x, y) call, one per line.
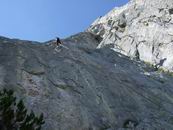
point(58, 41)
point(59, 45)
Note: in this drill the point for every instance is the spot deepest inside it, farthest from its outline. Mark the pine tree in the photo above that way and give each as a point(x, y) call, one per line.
point(14, 116)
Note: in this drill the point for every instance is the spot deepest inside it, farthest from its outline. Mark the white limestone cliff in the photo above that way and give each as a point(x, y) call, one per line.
point(141, 29)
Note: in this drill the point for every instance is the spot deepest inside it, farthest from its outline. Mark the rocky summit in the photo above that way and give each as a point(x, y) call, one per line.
point(142, 29)
point(110, 77)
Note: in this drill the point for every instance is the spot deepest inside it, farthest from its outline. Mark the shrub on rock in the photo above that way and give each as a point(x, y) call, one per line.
point(15, 116)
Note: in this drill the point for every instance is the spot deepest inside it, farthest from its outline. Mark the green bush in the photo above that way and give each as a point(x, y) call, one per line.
point(130, 123)
point(14, 115)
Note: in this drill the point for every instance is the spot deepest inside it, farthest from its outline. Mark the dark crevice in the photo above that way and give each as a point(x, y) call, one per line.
point(171, 11)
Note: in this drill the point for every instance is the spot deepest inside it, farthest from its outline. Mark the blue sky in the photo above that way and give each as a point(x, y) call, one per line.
point(42, 20)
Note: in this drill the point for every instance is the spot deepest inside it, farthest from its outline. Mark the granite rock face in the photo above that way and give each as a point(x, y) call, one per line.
point(88, 83)
point(142, 29)
point(82, 87)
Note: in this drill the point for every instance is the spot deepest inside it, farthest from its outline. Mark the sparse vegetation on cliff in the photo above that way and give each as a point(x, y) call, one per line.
point(15, 116)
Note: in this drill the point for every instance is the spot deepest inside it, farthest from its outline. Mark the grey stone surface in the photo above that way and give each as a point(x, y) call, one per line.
point(85, 88)
point(141, 29)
